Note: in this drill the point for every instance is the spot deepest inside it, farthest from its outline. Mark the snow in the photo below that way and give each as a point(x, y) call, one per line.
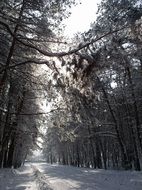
point(72, 178)
point(68, 178)
point(21, 179)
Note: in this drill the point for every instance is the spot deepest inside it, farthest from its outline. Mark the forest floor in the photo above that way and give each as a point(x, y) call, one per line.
point(69, 178)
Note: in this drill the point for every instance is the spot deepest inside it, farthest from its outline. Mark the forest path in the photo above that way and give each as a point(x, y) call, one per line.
point(21, 179)
point(69, 178)
point(72, 178)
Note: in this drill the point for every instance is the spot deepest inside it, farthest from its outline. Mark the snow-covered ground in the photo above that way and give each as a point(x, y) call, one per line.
point(21, 179)
point(69, 178)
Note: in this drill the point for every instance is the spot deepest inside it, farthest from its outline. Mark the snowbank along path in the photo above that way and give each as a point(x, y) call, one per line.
point(21, 179)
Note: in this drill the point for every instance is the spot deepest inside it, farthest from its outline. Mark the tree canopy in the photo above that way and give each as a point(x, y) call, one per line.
point(92, 88)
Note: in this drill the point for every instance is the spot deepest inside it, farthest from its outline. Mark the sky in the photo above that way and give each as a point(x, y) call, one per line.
point(81, 17)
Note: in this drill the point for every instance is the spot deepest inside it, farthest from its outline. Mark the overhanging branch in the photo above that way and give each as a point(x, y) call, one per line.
point(29, 114)
point(38, 62)
point(60, 54)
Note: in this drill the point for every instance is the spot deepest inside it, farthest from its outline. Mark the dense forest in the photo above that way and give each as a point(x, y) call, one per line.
point(92, 85)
